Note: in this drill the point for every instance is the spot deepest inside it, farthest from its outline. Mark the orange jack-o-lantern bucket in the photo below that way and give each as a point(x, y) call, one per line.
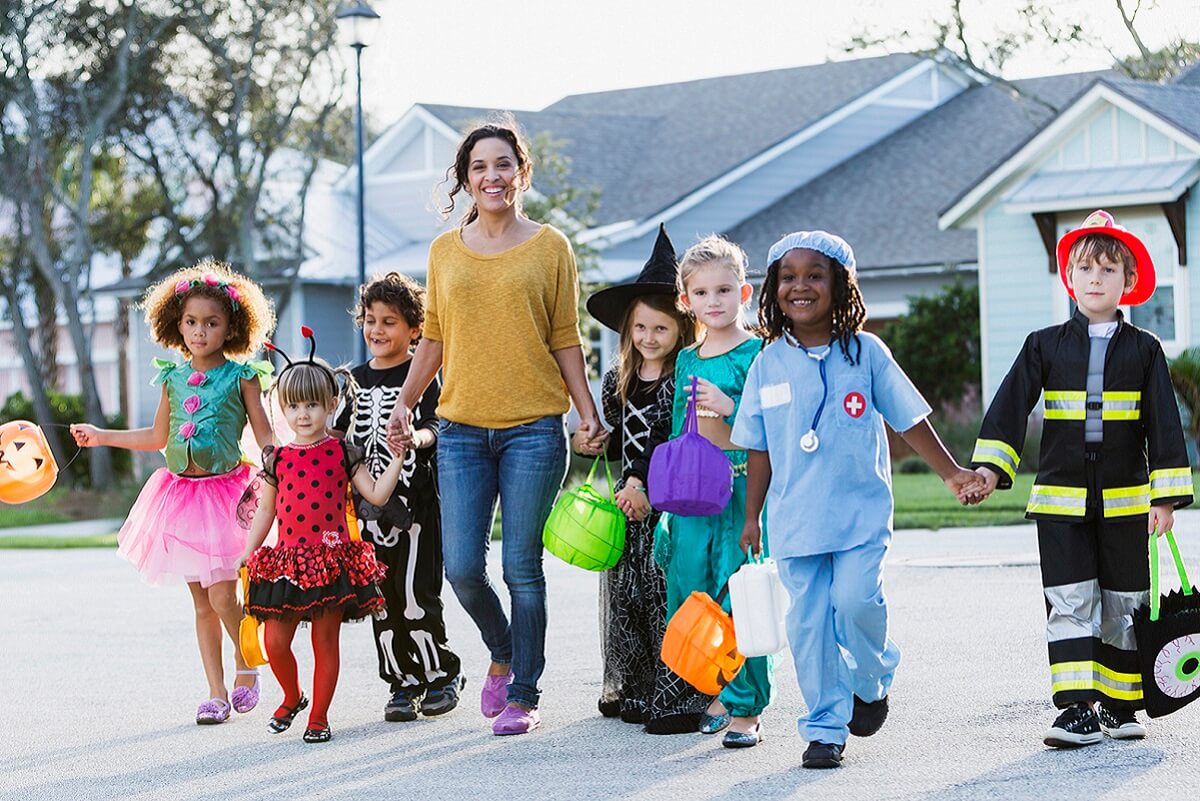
point(250, 633)
point(699, 644)
point(27, 467)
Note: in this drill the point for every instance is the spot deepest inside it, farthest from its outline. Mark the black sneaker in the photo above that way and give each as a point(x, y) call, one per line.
point(402, 707)
point(1077, 725)
point(443, 699)
point(1120, 724)
point(823, 755)
point(868, 716)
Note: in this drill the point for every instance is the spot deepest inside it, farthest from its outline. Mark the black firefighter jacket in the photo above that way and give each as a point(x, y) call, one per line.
point(1143, 460)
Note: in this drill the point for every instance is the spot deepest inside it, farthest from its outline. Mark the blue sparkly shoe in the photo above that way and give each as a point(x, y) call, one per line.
point(748, 739)
point(711, 724)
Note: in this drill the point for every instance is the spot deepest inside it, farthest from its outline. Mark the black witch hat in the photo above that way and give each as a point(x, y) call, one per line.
point(658, 277)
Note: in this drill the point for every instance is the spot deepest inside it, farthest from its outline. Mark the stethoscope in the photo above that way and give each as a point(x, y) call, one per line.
point(810, 442)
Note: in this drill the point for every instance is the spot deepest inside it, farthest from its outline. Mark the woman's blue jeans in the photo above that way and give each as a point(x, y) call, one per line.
point(524, 468)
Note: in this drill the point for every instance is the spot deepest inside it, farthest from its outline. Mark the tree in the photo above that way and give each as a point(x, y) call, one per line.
point(1185, 375)
point(937, 343)
point(955, 37)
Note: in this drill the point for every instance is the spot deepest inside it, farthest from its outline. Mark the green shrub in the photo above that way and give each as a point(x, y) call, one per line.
point(68, 409)
point(912, 465)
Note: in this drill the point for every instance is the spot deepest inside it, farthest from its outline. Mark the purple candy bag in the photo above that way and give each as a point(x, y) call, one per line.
point(689, 475)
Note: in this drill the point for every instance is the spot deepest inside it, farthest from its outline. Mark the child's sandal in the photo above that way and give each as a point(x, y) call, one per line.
point(246, 698)
point(318, 735)
point(281, 723)
point(212, 711)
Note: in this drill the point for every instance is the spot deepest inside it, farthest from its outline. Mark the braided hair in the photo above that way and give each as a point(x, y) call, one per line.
point(848, 311)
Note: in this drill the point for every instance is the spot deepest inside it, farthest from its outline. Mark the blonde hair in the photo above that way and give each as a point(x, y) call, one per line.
point(251, 315)
point(1090, 248)
point(712, 249)
point(312, 381)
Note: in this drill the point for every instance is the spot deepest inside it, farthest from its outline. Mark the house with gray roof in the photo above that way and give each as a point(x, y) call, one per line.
point(1132, 148)
point(930, 173)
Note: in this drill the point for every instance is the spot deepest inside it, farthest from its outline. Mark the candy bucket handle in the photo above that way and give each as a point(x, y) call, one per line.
point(1185, 583)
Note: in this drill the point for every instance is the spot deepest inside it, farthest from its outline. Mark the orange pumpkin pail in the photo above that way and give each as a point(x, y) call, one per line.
point(27, 466)
point(699, 644)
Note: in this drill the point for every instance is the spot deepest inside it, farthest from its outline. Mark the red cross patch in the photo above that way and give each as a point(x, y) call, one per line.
point(854, 404)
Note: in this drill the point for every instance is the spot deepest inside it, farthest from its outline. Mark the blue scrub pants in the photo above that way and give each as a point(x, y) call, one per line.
point(837, 628)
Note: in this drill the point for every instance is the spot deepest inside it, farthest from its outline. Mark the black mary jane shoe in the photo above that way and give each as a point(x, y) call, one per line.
point(321, 735)
point(281, 723)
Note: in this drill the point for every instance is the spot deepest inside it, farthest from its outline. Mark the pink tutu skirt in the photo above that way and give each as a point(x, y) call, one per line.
point(186, 529)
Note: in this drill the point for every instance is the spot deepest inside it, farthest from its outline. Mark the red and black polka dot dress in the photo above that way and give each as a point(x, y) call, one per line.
point(315, 566)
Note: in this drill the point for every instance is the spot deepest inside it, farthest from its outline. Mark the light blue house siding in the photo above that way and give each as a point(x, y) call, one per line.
point(1019, 293)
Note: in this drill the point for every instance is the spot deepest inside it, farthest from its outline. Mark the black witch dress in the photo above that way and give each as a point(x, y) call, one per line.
point(637, 686)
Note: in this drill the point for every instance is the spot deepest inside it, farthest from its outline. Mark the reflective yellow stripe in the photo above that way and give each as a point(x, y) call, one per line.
point(1048, 499)
point(1065, 404)
point(1124, 501)
point(1122, 406)
point(1087, 675)
point(1170, 482)
point(997, 452)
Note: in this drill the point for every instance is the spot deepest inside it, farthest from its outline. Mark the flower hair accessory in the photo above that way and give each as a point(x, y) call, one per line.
point(209, 279)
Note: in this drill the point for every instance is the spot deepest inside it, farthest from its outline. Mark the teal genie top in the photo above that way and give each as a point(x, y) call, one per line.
point(207, 412)
point(727, 371)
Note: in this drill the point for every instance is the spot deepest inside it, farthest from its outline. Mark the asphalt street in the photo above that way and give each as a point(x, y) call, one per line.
point(101, 679)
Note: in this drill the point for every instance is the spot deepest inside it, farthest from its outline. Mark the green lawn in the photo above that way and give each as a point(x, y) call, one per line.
point(64, 504)
point(922, 501)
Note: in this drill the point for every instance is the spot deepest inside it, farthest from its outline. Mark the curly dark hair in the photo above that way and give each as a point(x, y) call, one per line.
point(399, 291)
point(849, 312)
point(251, 317)
point(504, 127)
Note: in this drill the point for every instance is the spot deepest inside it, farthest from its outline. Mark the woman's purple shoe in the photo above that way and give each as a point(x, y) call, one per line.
point(494, 695)
point(214, 710)
point(246, 698)
point(516, 720)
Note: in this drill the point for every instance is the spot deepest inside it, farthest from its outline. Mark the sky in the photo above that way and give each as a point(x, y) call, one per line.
point(525, 54)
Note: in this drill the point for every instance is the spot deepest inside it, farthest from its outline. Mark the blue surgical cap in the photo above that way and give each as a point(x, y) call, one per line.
point(822, 242)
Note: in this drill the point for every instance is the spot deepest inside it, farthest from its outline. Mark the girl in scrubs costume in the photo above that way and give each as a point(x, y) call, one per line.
point(811, 419)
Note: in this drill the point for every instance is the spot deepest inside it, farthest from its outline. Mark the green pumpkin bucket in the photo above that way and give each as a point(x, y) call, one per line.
point(585, 528)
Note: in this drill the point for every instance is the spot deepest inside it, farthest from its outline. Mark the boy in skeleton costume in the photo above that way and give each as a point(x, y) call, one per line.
point(414, 657)
point(1113, 467)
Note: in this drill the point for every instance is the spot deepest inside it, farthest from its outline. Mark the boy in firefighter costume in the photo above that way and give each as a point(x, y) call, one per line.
point(1113, 468)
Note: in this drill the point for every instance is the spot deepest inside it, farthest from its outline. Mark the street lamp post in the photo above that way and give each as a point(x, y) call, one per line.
point(356, 23)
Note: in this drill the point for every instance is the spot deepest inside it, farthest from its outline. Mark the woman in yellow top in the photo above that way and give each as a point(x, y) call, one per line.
point(502, 323)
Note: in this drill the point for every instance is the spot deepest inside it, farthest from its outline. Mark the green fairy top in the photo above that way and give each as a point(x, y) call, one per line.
point(207, 412)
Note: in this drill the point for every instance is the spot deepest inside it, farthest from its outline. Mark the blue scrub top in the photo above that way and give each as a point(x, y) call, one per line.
point(840, 496)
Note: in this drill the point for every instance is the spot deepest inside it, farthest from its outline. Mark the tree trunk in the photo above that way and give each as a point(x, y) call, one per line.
point(42, 412)
point(101, 458)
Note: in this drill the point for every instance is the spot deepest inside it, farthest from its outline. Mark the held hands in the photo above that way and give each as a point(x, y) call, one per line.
point(86, 436)
point(632, 500)
point(968, 486)
point(1162, 519)
point(710, 397)
point(751, 541)
point(590, 438)
point(400, 430)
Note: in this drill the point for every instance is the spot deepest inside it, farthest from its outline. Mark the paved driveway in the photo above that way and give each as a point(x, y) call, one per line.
point(101, 679)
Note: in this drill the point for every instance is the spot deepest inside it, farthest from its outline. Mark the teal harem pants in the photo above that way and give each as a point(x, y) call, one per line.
point(700, 554)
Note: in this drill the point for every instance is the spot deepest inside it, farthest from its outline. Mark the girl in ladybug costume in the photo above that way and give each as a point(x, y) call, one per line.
point(318, 571)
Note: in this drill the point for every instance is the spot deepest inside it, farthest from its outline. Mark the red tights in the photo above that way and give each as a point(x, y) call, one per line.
point(278, 636)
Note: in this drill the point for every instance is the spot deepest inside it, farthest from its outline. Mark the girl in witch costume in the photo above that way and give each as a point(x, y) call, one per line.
point(184, 526)
point(636, 396)
point(1113, 468)
point(319, 570)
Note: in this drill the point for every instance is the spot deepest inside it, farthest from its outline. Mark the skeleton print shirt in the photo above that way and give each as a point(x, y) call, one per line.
point(640, 424)
point(365, 425)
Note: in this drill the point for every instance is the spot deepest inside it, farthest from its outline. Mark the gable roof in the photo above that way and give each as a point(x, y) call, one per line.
point(885, 201)
point(640, 145)
point(1178, 104)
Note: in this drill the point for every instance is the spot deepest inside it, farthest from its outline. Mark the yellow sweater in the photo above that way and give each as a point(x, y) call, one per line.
point(499, 317)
